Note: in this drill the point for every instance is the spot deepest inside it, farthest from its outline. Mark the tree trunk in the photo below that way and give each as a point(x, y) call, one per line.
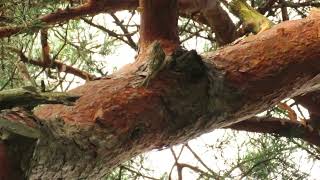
point(159, 21)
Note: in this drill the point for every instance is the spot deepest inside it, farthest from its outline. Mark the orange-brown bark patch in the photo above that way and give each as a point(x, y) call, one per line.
point(114, 104)
point(273, 58)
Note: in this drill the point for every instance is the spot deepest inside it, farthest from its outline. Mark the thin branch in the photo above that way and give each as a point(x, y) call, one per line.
point(254, 166)
point(55, 64)
point(109, 32)
point(45, 47)
point(202, 163)
point(125, 31)
point(65, 39)
point(10, 79)
point(281, 127)
point(60, 16)
point(195, 169)
point(138, 173)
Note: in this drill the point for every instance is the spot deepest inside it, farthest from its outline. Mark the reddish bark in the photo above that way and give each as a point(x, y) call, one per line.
point(115, 120)
point(280, 127)
point(45, 48)
point(91, 7)
point(159, 21)
point(261, 63)
point(211, 14)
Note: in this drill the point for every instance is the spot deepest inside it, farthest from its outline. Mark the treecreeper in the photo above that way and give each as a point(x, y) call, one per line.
point(155, 62)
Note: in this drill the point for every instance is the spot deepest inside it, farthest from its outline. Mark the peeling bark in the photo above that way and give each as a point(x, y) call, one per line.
point(114, 120)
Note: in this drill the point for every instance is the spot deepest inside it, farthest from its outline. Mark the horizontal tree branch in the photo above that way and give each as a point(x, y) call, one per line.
point(210, 12)
point(91, 7)
point(54, 64)
point(278, 126)
point(28, 97)
point(187, 98)
point(299, 4)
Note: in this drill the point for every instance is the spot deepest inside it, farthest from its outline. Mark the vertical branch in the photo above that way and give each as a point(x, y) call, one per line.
point(284, 11)
point(25, 75)
point(45, 47)
point(159, 21)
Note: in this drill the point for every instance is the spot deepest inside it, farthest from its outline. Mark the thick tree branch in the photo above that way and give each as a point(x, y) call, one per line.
point(252, 20)
point(277, 126)
point(185, 99)
point(152, 25)
point(91, 7)
point(211, 14)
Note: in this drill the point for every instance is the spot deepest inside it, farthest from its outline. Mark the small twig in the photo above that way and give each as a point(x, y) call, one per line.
point(125, 31)
point(202, 163)
point(138, 173)
point(9, 80)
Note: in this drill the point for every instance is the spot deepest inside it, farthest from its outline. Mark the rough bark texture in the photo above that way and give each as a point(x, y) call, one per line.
point(115, 120)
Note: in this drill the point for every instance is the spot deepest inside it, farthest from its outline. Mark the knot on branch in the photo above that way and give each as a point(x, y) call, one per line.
point(223, 97)
point(189, 63)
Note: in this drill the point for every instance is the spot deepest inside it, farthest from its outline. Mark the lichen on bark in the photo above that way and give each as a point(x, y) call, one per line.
point(252, 20)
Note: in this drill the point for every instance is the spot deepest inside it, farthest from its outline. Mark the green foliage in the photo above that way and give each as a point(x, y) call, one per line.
point(271, 158)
